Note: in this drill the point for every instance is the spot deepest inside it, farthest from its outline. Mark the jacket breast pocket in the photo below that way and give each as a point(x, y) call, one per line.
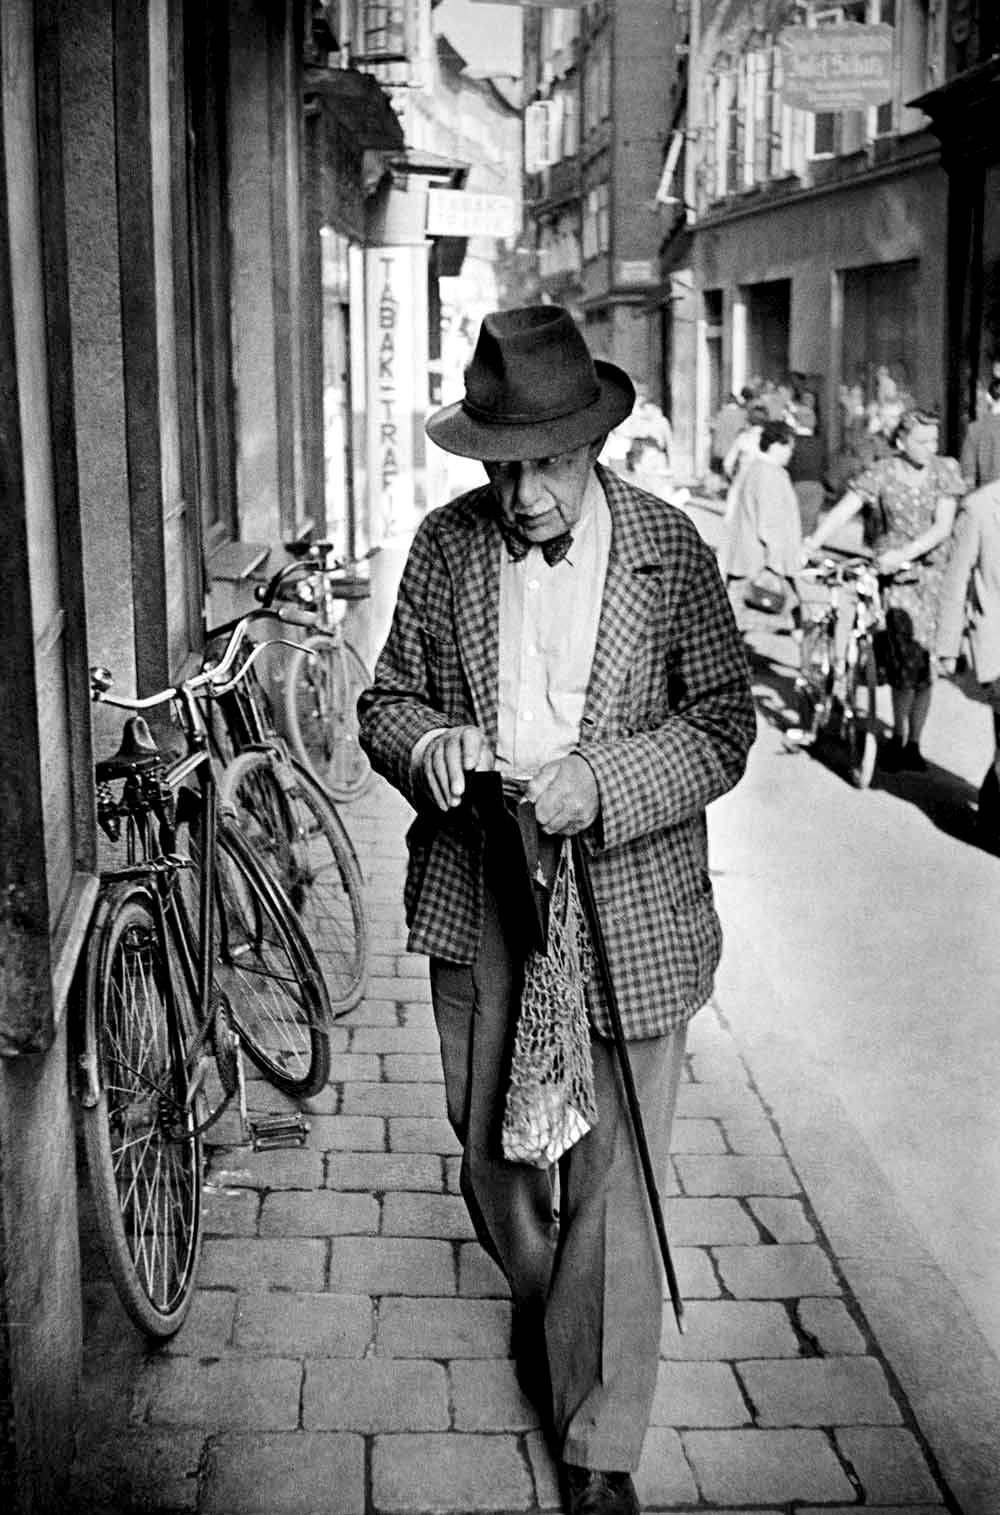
point(444, 671)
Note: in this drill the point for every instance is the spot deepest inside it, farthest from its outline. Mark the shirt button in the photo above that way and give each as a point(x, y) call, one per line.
point(526, 715)
point(532, 651)
point(533, 583)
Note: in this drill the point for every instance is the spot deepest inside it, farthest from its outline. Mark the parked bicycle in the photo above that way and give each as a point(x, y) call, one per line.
point(290, 821)
point(193, 957)
point(837, 684)
point(316, 705)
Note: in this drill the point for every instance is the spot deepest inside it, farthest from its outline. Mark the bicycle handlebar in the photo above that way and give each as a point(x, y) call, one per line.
point(216, 679)
point(309, 557)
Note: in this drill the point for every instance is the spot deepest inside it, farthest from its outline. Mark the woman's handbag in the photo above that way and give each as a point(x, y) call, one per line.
point(766, 591)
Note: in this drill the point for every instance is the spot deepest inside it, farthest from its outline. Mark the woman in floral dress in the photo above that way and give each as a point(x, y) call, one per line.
point(913, 495)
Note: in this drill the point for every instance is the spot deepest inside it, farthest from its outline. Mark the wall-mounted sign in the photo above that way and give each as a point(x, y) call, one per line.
point(391, 304)
point(635, 271)
point(459, 213)
point(831, 68)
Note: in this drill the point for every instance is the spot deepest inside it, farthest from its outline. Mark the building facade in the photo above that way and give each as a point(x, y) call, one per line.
point(808, 242)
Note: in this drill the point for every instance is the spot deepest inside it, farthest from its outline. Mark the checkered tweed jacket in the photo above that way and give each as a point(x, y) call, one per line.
point(668, 721)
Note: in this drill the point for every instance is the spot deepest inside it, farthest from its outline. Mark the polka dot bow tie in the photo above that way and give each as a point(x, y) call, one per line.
point(553, 551)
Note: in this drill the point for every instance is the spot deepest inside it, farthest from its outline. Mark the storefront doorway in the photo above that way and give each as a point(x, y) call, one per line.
point(768, 323)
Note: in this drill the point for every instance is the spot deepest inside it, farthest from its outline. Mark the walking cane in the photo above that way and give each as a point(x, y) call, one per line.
point(589, 906)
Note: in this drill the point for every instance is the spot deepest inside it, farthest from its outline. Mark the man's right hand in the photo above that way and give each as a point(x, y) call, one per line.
point(448, 757)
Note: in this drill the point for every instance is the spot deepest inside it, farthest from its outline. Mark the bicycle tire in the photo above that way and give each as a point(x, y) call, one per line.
point(268, 971)
point(291, 823)
point(812, 687)
point(144, 1156)
point(319, 714)
point(860, 720)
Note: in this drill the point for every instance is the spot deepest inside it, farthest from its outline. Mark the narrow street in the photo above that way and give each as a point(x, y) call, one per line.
point(830, 1204)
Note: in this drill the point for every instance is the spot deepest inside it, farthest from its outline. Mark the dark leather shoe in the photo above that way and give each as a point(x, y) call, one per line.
point(913, 759)
point(531, 1362)
point(591, 1491)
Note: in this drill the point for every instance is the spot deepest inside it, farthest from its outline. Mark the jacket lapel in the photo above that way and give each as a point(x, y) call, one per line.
point(471, 546)
point(633, 584)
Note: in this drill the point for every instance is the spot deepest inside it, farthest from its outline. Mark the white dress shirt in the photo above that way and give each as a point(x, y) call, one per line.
point(548, 631)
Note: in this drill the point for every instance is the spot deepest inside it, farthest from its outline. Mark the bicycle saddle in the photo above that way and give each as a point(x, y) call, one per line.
point(307, 549)
point(138, 750)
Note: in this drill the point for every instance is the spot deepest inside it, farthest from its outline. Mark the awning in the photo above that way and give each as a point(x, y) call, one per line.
point(359, 105)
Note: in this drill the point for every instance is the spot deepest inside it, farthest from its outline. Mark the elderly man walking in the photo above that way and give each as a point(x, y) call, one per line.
point(572, 632)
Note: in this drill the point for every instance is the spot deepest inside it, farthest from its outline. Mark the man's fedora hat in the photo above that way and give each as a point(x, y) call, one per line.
point(532, 390)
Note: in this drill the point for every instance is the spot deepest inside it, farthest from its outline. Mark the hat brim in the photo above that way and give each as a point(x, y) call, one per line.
point(454, 430)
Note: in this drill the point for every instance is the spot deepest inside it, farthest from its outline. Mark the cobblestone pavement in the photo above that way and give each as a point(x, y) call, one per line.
point(348, 1349)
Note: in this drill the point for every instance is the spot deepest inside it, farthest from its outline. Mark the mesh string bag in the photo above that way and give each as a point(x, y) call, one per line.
point(550, 1099)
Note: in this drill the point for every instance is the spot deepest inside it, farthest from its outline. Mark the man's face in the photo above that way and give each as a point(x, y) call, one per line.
point(543, 497)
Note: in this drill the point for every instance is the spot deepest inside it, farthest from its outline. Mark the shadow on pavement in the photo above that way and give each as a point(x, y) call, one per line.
point(948, 801)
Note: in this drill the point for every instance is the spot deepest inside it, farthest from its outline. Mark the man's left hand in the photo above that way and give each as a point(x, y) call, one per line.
point(565, 796)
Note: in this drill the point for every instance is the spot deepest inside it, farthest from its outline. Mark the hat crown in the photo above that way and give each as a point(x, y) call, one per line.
point(530, 365)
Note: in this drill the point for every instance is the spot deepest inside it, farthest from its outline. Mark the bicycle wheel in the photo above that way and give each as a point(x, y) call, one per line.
point(143, 1153)
point(812, 687)
point(269, 973)
point(860, 718)
point(320, 716)
point(291, 824)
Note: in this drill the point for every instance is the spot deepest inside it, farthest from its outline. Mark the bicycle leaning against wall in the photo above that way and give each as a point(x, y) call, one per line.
point(837, 684)
point(290, 820)
point(316, 705)
point(193, 956)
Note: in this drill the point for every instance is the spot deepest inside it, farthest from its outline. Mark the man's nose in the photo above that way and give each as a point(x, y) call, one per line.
point(529, 487)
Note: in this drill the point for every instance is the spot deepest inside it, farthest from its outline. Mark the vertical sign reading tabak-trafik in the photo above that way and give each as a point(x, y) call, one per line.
point(831, 68)
point(391, 310)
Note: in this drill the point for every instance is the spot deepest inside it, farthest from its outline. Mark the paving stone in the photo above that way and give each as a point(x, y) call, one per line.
point(285, 1475)
point(720, 1063)
point(443, 1215)
point(213, 1394)
point(698, 1394)
point(759, 1467)
point(230, 1212)
point(889, 1463)
point(485, 1397)
point(394, 1099)
point(777, 1272)
point(407, 1040)
point(707, 1222)
point(417, 1134)
point(751, 1137)
point(440, 1328)
point(400, 987)
point(418, 1067)
point(320, 1214)
point(250, 1263)
point(664, 1476)
point(784, 1218)
point(350, 1066)
point(696, 1277)
point(371, 1012)
point(716, 1330)
point(736, 1175)
point(348, 1133)
point(420, 1016)
point(453, 1173)
point(723, 1101)
point(283, 1168)
point(693, 1135)
point(304, 1325)
point(208, 1326)
point(376, 1172)
point(378, 1394)
point(478, 1275)
point(136, 1470)
point(455, 1471)
point(882, 1509)
point(391, 1265)
point(830, 1325)
point(820, 1391)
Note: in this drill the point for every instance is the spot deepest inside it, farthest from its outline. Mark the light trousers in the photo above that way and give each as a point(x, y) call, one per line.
point(585, 1245)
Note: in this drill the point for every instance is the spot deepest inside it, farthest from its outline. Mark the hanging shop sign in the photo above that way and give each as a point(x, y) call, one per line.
point(831, 68)
point(460, 213)
point(391, 302)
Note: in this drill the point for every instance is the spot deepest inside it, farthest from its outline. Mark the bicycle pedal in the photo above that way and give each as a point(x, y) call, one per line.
point(268, 1131)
